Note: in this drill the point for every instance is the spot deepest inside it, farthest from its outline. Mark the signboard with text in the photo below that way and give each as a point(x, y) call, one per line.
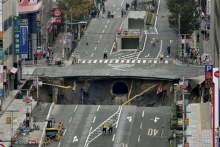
point(208, 76)
point(24, 42)
point(17, 35)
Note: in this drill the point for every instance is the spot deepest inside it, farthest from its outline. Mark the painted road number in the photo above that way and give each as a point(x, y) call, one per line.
point(152, 132)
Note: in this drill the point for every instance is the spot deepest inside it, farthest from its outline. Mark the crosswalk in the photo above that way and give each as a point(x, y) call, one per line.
point(128, 61)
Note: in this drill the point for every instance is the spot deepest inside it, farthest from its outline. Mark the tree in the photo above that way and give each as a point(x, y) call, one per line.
point(189, 20)
point(80, 8)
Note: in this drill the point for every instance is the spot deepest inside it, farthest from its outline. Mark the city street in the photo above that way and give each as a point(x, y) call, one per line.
point(136, 126)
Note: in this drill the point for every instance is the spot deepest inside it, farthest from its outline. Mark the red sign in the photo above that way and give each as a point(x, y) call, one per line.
point(57, 12)
point(216, 74)
point(2, 145)
point(58, 21)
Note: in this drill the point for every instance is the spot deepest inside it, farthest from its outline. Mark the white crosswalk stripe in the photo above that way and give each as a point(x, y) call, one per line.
point(128, 61)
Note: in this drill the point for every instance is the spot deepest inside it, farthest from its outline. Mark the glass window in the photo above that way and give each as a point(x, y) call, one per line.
point(5, 25)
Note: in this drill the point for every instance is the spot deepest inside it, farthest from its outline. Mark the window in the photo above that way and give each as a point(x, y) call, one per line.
point(6, 25)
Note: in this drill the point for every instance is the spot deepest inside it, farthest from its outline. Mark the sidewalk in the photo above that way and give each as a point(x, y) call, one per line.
point(18, 117)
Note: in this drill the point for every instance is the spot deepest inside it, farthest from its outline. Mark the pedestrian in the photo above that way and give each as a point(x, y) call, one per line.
point(110, 130)
point(168, 50)
point(197, 37)
point(122, 12)
point(153, 42)
point(104, 127)
point(161, 57)
point(35, 58)
point(73, 58)
point(105, 54)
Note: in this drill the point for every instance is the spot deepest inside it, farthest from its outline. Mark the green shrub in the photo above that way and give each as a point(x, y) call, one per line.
point(150, 18)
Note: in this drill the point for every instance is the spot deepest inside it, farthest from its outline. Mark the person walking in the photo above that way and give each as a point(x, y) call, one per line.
point(104, 127)
point(168, 50)
point(105, 54)
point(153, 42)
point(110, 130)
point(161, 57)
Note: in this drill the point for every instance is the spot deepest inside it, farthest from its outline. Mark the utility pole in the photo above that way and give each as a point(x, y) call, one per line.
point(183, 99)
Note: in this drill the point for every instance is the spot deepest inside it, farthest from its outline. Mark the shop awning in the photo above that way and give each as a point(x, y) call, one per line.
point(13, 70)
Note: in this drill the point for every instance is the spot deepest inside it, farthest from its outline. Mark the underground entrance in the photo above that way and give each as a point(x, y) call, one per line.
point(120, 88)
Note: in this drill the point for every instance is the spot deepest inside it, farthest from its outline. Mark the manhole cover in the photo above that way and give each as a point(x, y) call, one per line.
point(162, 16)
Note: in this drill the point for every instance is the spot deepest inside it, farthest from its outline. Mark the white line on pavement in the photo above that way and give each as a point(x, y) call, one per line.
point(113, 138)
point(122, 3)
point(105, 26)
point(90, 130)
point(108, 21)
point(155, 24)
point(95, 48)
point(70, 119)
point(114, 5)
point(98, 108)
point(161, 46)
point(141, 126)
point(75, 108)
point(121, 25)
point(59, 144)
point(100, 37)
point(139, 137)
point(94, 119)
point(112, 48)
point(118, 116)
point(103, 31)
point(143, 114)
point(92, 54)
point(64, 132)
point(114, 13)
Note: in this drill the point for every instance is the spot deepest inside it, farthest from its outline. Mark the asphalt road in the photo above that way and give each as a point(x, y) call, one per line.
point(102, 31)
point(136, 126)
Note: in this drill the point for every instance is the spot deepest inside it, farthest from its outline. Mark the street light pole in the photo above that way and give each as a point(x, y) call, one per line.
point(183, 99)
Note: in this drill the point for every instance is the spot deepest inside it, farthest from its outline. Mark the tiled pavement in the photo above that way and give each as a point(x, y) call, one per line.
point(199, 125)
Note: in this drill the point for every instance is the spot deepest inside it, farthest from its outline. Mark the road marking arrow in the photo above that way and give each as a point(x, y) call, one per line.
point(155, 119)
point(75, 139)
point(129, 118)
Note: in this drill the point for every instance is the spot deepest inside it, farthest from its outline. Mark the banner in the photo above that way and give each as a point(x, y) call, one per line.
point(24, 42)
point(17, 35)
point(1, 54)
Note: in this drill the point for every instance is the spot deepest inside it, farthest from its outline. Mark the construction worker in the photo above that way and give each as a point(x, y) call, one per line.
point(57, 137)
point(104, 127)
point(59, 125)
point(110, 128)
point(161, 56)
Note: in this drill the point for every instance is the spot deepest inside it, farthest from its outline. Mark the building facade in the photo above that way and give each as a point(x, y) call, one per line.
point(10, 59)
point(215, 29)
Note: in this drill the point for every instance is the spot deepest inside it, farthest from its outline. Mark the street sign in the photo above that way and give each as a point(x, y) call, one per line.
point(208, 76)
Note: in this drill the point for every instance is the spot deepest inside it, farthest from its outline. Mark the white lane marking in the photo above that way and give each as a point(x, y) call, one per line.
point(114, 5)
point(105, 26)
point(92, 54)
point(94, 119)
point(59, 144)
point(122, 3)
point(103, 31)
point(112, 48)
point(98, 108)
point(118, 116)
point(143, 114)
point(114, 13)
point(155, 24)
point(64, 132)
point(161, 44)
point(75, 108)
point(100, 37)
point(121, 25)
point(90, 130)
point(108, 21)
point(113, 138)
point(70, 119)
point(95, 48)
point(139, 137)
point(141, 126)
